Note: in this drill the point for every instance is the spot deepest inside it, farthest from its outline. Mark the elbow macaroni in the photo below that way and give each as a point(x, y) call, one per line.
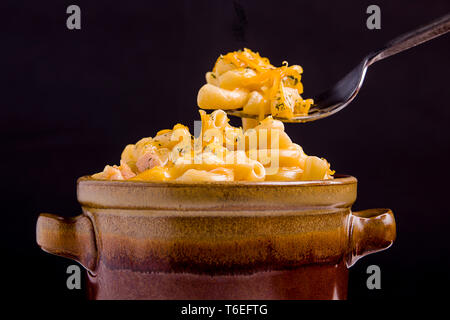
point(245, 80)
point(220, 153)
point(263, 152)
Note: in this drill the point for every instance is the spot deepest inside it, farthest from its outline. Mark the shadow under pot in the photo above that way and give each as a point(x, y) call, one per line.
point(227, 240)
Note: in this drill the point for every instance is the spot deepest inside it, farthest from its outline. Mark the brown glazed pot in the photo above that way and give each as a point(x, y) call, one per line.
point(222, 240)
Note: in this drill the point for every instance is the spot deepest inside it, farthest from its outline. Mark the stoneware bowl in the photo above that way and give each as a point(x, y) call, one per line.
point(226, 240)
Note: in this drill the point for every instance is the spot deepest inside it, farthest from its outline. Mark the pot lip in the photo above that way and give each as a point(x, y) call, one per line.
point(340, 179)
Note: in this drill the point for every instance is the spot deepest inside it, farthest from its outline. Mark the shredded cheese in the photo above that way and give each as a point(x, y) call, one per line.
point(275, 78)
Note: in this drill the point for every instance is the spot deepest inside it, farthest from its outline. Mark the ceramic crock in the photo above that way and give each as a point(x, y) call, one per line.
point(222, 240)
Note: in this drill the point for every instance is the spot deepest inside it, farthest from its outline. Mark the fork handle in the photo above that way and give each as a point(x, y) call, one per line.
point(413, 38)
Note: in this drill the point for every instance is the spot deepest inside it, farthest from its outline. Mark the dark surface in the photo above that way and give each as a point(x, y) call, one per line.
point(71, 101)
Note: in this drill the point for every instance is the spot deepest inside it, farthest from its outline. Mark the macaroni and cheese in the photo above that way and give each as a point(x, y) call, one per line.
point(221, 152)
point(261, 151)
point(245, 80)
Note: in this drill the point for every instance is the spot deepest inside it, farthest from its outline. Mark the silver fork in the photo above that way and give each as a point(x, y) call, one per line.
point(344, 91)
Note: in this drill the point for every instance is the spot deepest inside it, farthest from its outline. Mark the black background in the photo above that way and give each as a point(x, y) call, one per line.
point(71, 100)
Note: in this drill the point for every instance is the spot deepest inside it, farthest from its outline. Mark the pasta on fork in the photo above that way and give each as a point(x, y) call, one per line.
point(245, 80)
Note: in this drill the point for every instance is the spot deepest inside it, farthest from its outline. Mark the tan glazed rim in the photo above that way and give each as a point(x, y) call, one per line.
point(339, 179)
point(179, 196)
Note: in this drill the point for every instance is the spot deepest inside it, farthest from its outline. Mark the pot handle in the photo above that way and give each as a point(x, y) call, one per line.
point(370, 231)
point(73, 238)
